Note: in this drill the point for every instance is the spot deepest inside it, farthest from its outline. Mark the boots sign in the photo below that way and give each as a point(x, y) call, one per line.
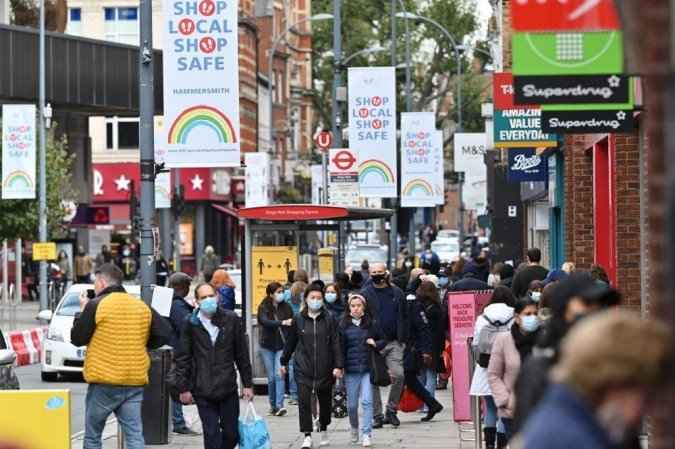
point(525, 165)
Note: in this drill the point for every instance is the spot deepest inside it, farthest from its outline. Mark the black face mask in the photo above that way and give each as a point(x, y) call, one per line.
point(378, 278)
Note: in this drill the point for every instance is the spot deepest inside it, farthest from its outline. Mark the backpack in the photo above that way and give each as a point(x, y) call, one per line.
point(486, 338)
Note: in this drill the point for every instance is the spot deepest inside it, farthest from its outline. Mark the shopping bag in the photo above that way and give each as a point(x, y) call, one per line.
point(409, 401)
point(339, 408)
point(379, 374)
point(253, 433)
point(447, 361)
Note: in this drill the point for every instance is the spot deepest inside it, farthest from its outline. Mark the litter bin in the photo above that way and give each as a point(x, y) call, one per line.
point(156, 410)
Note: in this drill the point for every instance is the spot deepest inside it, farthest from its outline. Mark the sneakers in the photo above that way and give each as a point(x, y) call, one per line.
point(281, 412)
point(324, 439)
point(355, 436)
point(272, 411)
point(392, 419)
point(378, 422)
point(307, 442)
point(366, 441)
point(185, 431)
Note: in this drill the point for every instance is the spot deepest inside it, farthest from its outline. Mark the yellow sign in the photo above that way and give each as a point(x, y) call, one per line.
point(35, 419)
point(326, 265)
point(270, 264)
point(44, 251)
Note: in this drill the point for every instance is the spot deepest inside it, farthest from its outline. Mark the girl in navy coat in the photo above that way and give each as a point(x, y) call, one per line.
point(360, 335)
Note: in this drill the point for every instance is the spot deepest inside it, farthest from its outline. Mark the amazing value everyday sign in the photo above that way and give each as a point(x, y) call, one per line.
point(372, 129)
point(421, 160)
point(18, 151)
point(201, 83)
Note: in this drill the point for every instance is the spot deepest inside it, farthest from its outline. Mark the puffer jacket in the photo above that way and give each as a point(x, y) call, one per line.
point(355, 350)
point(206, 369)
point(314, 344)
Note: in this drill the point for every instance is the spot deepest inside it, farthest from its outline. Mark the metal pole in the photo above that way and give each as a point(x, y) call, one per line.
point(5, 273)
point(176, 229)
point(393, 226)
point(337, 84)
point(42, 218)
point(147, 136)
point(409, 108)
point(459, 89)
point(18, 271)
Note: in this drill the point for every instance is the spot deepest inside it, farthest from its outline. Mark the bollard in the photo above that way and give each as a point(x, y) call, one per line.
point(121, 444)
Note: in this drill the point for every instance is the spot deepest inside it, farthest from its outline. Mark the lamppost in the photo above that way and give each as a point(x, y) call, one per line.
point(270, 68)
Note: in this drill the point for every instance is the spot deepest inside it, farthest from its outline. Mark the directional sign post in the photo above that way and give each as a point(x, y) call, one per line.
point(343, 175)
point(323, 141)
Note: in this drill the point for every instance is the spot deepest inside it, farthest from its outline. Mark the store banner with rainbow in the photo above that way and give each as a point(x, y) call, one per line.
point(18, 151)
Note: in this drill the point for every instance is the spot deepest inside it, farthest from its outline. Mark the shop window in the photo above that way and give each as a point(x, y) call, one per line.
point(122, 133)
point(74, 26)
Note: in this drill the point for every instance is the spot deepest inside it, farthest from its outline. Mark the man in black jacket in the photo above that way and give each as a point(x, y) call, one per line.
point(181, 309)
point(388, 307)
point(213, 347)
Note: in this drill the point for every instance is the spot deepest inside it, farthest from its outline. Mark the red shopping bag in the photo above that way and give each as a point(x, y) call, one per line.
point(409, 401)
point(447, 361)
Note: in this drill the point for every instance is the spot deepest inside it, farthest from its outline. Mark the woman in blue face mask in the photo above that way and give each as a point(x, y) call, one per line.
point(334, 301)
point(509, 352)
point(314, 343)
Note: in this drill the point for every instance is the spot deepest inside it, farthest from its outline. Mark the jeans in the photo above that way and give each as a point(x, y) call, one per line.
point(177, 413)
point(275, 382)
point(393, 355)
point(124, 402)
point(427, 378)
point(507, 423)
point(305, 399)
point(491, 419)
point(359, 389)
point(292, 384)
point(220, 421)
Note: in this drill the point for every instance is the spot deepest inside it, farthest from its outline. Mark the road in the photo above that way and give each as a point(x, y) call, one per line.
point(29, 378)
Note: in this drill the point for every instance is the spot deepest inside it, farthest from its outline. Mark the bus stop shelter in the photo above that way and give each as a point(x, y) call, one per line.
point(282, 224)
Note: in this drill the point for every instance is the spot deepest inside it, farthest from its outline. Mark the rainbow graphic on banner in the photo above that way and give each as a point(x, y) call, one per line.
point(418, 187)
point(374, 167)
point(18, 180)
point(198, 117)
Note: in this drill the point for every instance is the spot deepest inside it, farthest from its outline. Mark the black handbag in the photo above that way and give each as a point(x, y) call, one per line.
point(379, 373)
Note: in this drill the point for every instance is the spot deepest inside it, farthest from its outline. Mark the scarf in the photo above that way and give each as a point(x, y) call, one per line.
point(524, 341)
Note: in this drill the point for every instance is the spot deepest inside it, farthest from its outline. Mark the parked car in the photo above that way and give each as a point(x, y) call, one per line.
point(59, 355)
point(372, 253)
point(447, 250)
point(447, 234)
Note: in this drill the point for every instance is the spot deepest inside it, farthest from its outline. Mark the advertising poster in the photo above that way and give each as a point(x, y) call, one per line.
point(257, 179)
point(343, 178)
point(421, 160)
point(470, 151)
point(372, 129)
point(201, 83)
point(18, 151)
point(270, 264)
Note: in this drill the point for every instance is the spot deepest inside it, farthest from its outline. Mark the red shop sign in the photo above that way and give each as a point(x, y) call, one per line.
point(504, 93)
point(564, 15)
point(293, 212)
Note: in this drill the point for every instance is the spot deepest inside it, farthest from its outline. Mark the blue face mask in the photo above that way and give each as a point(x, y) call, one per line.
point(287, 294)
point(209, 306)
point(279, 297)
point(442, 281)
point(314, 304)
point(331, 297)
point(530, 323)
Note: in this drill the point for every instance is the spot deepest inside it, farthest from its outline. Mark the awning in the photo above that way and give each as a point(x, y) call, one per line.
point(311, 212)
point(234, 213)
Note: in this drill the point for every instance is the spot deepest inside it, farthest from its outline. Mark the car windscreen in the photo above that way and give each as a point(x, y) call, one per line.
point(70, 305)
point(445, 248)
point(371, 255)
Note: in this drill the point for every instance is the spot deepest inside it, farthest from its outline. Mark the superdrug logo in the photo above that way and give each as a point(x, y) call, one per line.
point(593, 89)
point(587, 122)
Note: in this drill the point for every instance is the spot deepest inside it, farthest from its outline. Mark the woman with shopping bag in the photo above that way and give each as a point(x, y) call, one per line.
point(359, 337)
point(214, 345)
point(314, 342)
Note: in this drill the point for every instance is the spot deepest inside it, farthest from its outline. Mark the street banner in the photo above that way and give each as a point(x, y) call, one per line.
point(257, 179)
point(564, 15)
point(372, 129)
point(517, 128)
point(18, 151)
point(162, 180)
point(470, 151)
point(568, 53)
point(343, 178)
point(588, 122)
point(421, 160)
point(201, 83)
point(440, 168)
point(525, 165)
point(270, 264)
point(572, 89)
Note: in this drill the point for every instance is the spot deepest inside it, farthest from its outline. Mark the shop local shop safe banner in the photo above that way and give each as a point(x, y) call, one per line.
point(421, 161)
point(201, 83)
point(372, 129)
point(18, 151)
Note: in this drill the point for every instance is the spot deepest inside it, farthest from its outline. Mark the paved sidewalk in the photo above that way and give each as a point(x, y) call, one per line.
point(442, 432)
point(20, 317)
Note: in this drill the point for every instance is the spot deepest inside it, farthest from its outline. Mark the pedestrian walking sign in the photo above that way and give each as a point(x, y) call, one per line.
point(270, 264)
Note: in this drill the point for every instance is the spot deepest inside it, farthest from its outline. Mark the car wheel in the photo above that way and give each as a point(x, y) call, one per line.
point(49, 377)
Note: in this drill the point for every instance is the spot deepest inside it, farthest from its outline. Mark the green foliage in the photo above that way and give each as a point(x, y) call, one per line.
point(367, 24)
point(288, 194)
point(19, 218)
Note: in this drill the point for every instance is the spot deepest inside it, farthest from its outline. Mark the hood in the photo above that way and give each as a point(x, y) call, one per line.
point(498, 312)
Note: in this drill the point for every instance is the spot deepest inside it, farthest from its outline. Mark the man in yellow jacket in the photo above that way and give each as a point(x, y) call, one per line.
point(117, 329)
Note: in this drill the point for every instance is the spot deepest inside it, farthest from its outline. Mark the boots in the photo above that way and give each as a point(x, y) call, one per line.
point(502, 442)
point(489, 435)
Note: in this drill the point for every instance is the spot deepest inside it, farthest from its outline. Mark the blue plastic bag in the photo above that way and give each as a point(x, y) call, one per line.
point(253, 433)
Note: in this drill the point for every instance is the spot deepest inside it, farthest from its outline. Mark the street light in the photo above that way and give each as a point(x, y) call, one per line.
point(365, 51)
point(273, 50)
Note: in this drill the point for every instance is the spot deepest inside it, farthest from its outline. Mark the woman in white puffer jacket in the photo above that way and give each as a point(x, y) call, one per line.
point(499, 312)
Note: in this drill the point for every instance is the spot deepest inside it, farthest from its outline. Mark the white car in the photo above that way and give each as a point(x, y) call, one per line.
point(447, 250)
point(372, 253)
point(448, 234)
point(58, 354)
